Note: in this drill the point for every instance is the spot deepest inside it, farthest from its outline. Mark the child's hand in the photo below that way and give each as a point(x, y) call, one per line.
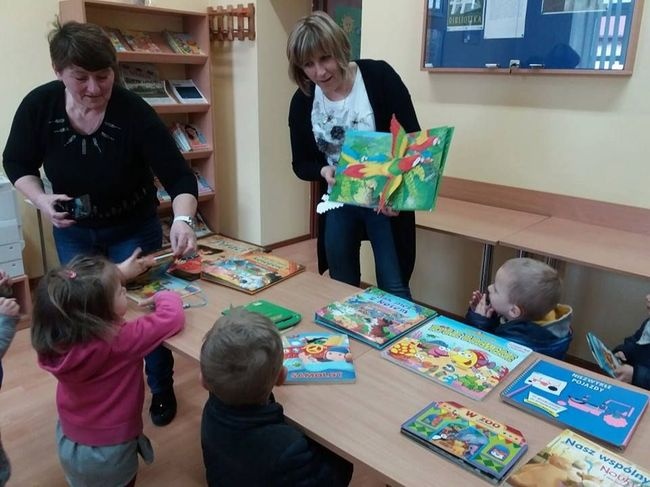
point(475, 299)
point(5, 280)
point(483, 308)
point(624, 373)
point(621, 356)
point(135, 265)
point(9, 307)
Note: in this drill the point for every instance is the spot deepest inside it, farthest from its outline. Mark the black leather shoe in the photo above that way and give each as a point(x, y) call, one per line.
point(163, 408)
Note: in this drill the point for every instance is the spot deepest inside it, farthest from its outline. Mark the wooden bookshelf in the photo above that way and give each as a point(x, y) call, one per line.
point(125, 16)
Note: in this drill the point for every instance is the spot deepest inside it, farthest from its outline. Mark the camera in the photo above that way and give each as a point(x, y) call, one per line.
point(77, 208)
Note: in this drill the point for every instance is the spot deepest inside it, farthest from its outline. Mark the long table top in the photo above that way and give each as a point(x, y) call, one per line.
point(582, 243)
point(485, 224)
point(304, 293)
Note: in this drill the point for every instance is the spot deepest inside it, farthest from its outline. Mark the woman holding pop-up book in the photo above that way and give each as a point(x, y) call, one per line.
point(336, 94)
point(100, 145)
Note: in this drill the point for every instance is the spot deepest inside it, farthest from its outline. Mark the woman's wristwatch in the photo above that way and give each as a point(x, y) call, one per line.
point(184, 218)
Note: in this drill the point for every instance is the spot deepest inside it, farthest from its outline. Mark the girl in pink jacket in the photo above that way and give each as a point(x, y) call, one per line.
point(81, 337)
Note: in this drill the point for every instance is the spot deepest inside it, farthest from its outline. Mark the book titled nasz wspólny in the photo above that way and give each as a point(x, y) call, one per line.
point(373, 316)
point(457, 356)
point(571, 459)
point(317, 357)
point(479, 444)
point(589, 404)
point(397, 170)
point(603, 355)
point(250, 272)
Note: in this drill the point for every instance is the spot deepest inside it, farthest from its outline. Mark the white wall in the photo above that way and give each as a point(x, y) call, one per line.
point(572, 135)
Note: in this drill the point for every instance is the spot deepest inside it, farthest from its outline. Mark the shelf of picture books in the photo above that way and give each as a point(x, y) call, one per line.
point(373, 316)
point(570, 459)
point(593, 405)
point(480, 444)
point(457, 356)
point(166, 46)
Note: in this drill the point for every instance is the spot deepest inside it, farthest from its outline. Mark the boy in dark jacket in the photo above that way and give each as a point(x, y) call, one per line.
point(244, 435)
point(635, 353)
point(522, 306)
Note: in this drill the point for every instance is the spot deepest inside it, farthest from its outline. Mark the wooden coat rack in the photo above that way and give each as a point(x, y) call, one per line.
point(223, 26)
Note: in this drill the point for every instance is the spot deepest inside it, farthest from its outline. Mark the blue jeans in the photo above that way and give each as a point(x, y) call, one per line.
point(117, 243)
point(344, 230)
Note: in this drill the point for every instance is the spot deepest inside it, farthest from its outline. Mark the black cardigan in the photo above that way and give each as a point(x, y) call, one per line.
point(387, 95)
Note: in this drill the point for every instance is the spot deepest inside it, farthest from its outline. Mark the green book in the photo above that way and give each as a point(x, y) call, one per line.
point(396, 170)
point(282, 317)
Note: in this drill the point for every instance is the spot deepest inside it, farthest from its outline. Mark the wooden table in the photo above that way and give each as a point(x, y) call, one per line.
point(581, 243)
point(362, 421)
point(304, 293)
point(488, 225)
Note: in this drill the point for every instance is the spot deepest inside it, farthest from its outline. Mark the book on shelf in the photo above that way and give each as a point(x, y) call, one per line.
point(142, 292)
point(134, 72)
point(570, 459)
point(317, 357)
point(153, 92)
point(482, 445)
point(373, 316)
point(186, 91)
point(591, 405)
point(202, 183)
point(141, 41)
point(229, 246)
point(397, 170)
point(457, 356)
point(194, 136)
point(180, 138)
point(281, 317)
point(161, 192)
point(181, 42)
point(250, 272)
point(605, 358)
point(117, 39)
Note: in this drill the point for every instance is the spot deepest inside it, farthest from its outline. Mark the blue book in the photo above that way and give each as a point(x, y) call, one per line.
point(591, 405)
point(317, 357)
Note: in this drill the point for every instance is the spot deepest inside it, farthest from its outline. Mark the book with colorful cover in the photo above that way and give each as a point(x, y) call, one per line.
point(141, 41)
point(478, 443)
point(117, 39)
point(397, 170)
point(189, 267)
point(603, 355)
point(317, 357)
point(251, 272)
point(229, 246)
point(373, 316)
point(570, 459)
point(591, 405)
point(181, 42)
point(142, 292)
point(457, 356)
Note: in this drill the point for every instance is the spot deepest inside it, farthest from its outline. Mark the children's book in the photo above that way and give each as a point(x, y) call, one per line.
point(194, 136)
point(591, 405)
point(117, 39)
point(134, 72)
point(251, 272)
point(229, 246)
point(317, 357)
point(153, 92)
point(141, 41)
point(397, 170)
point(373, 316)
point(281, 317)
point(457, 356)
point(142, 292)
point(181, 42)
point(603, 355)
point(570, 459)
point(479, 444)
point(162, 261)
point(202, 183)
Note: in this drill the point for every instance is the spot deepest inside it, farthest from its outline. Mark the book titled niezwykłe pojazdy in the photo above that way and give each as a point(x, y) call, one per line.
point(591, 405)
point(479, 444)
point(373, 316)
point(457, 356)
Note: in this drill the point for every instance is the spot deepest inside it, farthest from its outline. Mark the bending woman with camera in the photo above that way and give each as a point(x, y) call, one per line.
point(95, 138)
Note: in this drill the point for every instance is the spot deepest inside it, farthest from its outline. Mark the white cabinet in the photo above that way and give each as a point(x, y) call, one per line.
point(11, 236)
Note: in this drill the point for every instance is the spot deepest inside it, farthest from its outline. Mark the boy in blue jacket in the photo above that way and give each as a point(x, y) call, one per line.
point(522, 306)
point(244, 435)
point(635, 354)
